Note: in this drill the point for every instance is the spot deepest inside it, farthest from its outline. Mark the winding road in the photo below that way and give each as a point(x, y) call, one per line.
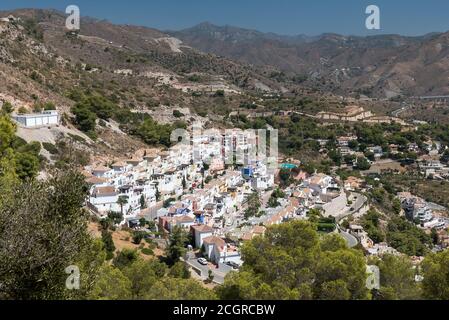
point(350, 239)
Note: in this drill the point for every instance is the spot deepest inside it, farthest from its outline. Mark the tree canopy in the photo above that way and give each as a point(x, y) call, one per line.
point(292, 262)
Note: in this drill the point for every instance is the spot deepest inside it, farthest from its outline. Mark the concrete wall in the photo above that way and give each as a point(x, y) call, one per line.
point(37, 120)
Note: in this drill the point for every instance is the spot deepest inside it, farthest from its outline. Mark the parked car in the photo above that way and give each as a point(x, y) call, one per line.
point(232, 264)
point(202, 261)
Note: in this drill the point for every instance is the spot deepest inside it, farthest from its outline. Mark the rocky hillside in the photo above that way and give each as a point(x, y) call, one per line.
point(377, 66)
point(141, 70)
point(122, 74)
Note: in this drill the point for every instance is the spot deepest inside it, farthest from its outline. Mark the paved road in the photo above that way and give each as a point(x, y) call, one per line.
point(350, 239)
point(397, 112)
point(338, 207)
point(219, 273)
point(355, 207)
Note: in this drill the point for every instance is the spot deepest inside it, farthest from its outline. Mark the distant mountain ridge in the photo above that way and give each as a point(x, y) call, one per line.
point(382, 66)
point(378, 66)
point(232, 33)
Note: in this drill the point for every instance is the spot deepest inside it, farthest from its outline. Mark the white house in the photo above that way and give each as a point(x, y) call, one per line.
point(46, 118)
point(200, 232)
point(104, 199)
point(217, 251)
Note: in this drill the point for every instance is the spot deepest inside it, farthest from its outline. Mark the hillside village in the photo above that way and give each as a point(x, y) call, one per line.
point(190, 186)
point(215, 202)
point(172, 157)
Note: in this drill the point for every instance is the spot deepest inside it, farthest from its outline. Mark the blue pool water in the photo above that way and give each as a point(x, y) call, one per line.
point(288, 166)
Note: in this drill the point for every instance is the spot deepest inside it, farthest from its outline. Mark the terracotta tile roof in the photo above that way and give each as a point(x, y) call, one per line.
point(86, 173)
point(247, 236)
point(259, 230)
point(219, 242)
point(95, 180)
point(120, 164)
point(105, 191)
point(101, 169)
point(134, 161)
point(184, 219)
point(203, 228)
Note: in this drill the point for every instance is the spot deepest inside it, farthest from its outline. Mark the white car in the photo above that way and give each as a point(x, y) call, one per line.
point(202, 261)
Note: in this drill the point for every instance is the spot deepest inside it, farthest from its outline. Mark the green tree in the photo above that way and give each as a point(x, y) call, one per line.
point(49, 106)
point(142, 278)
point(406, 237)
point(153, 133)
point(362, 164)
point(158, 194)
point(125, 258)
point(7, 108)
point(371, 224)
point(143, 203)
point(109, 246)
point(335, 156)
point(84, 118)
point(397, 279)
point(22, 110)
point(285, 177)
point(27, 165)
point(177, 244)
point(292, 262)
point(210, 276)
point(51, 215)
point(397, 206)
point(177, 114)
point(122, 201)
point(138, 236)
point(314, 215)
point(179, 289)
point(115, 217)
point(434, 236)
point(142, 222)
point(333, 242)
point(273, 201)
point(179, 270)
point(435, 268)
point(7, 133)
point(253, 205)
point(111, 285)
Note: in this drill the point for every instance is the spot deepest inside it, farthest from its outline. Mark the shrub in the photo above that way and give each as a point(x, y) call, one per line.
point(178, 114)
point(50, 147)
point(138, 237)
point(147, 251)
point(23, 110)
point(7, 107)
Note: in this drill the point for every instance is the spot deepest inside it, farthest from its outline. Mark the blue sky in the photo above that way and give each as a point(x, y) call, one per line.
point(291, 17)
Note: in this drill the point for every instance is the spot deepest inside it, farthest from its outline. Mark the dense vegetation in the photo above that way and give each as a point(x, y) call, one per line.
point(292, 262)
point(407, 237)
point(17, 158)
point(90, 107)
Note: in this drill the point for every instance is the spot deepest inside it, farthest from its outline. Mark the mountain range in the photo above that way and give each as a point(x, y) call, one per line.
point(382, 66)
point(216, 57)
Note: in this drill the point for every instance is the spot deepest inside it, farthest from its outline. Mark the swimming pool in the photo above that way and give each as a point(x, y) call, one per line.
point(288, 166)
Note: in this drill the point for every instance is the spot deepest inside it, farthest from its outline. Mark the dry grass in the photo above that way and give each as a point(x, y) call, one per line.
point(123, 240)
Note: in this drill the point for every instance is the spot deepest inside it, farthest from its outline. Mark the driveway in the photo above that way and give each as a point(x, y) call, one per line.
point(219, 273)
